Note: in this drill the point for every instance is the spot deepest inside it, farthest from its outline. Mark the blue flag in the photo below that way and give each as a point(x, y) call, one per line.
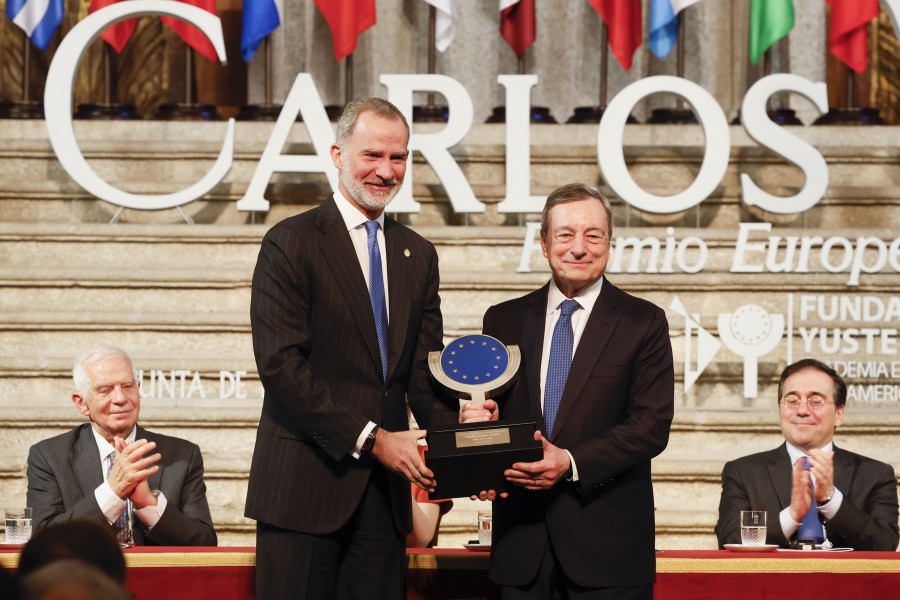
point(664, 24)
point(260, 18)
point(37, 18)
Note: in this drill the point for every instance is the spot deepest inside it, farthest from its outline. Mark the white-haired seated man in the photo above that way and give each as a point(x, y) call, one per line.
point(147, 486)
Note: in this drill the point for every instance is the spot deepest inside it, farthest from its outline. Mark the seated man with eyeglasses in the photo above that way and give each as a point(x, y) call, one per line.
point(812, 490)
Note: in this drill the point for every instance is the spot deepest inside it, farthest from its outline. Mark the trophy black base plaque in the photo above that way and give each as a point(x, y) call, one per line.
point(472, 457)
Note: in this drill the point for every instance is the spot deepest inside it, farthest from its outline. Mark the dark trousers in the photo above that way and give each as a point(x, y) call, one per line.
point(551, 583)
point(365, 559)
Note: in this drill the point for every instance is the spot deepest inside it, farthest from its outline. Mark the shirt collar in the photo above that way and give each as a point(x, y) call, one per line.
point(585, 299)
point(795, 452)
point(352, 216)
point(105, 447)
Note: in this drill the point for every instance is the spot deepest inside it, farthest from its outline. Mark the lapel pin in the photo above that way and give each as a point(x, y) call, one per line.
point(406, 253)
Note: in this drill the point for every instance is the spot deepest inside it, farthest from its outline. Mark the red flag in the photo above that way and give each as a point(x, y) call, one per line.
point(347, 19)
point(517, 25)
point(623, 22)
point(190, 34)
point(849, 36)
point(117, 35)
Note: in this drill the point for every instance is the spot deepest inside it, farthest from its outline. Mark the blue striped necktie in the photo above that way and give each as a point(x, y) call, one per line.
point(121, 524)
point(376, 294)
point(810, 527)
point(558, 365)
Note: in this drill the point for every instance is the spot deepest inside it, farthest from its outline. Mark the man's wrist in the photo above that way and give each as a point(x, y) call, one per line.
point(829, 498)
point(369, 442)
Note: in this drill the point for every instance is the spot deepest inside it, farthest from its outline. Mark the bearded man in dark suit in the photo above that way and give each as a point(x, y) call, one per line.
point(845, 498)
point(147, 486)
point(344, 311)
point(597, 376)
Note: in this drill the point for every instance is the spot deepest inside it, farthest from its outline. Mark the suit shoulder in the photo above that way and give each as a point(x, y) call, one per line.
point(521, 303)
point(168, 440)
point(634, 303)
point(412, 237)
point(63, 440)
point(862, 460)
point(753, 461)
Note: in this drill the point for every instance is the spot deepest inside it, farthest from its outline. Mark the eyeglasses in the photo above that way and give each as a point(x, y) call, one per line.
point(815, 403)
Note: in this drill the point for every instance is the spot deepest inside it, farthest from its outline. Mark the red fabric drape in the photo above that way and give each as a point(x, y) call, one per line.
point(517, 25)
point(623, 21)
point(849, 36)
point(190, 34)
point(117, 35)
point(347, 19)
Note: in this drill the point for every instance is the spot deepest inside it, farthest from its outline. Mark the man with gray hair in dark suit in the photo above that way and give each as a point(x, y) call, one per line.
point(147, 486)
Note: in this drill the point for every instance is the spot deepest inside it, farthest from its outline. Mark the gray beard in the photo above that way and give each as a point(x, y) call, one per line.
point(364, 197)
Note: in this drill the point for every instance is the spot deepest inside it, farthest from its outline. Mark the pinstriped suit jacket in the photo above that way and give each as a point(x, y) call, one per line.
point(64, 471)
point(318, 359)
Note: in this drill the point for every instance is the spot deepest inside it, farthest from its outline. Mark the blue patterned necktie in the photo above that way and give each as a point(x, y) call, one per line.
point(560, 360)
point(121, 524)
point(810, 526)
point(376, 294)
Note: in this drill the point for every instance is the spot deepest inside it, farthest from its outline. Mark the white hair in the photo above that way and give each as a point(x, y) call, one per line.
point(92, 357)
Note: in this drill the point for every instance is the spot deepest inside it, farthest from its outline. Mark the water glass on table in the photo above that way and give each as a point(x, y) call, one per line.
point(18, 525)
point(753, 527)
point(484, 527)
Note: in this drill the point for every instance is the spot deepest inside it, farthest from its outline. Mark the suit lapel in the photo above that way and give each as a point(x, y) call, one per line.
point(597, 332)
point(531, 344)
point(843, 470)
point(85, 462)
point(338, 252)
point(395, 246)
point(154, 480)
point(779, 467)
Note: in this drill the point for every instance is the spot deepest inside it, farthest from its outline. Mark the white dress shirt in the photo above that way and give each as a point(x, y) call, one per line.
point(788, 526)
point(555, 298)
point(110, 504)
point(356, 227)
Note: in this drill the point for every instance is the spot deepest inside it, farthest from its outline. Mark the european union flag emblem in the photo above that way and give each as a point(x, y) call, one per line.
point(474, 359)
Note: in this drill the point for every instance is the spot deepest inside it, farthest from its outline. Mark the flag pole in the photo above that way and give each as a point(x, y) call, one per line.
point(681, 114)
point(189, 110)
point(107, 109)
point(431, 112)
point(593, 114)
point(26, 108)
point(265, 111)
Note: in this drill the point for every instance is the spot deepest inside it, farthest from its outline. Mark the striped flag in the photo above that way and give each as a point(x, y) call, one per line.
point(849, 36)
point(190, 34)
point(37, 18)
point(260, 18)
point(117, 35)
point(664, 24)
point(623, 22)
point(445, 25)
point(347, 19)
point(517, 24)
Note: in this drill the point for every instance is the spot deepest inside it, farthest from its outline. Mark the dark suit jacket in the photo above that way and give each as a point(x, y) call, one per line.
point(64, 471)
point(614, 416)
point(318, 358)
point(867, 519)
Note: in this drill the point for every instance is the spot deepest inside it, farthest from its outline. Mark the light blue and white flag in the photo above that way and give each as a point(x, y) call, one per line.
point(664, 24)
point(260, 18)
point(37, 18)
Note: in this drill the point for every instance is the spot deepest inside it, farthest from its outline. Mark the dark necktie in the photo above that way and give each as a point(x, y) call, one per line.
point(121, 524)
point(558, 365)
point(376, 294)
point(810, 526)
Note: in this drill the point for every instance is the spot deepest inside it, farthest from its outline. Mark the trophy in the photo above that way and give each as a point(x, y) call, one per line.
point(471, 457)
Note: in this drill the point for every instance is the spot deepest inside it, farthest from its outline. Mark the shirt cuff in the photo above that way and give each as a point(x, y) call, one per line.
point(574, 468)
point(150, 515)
point(788, 525)
point(362, 439)
point(110, 505)
point(831, 508)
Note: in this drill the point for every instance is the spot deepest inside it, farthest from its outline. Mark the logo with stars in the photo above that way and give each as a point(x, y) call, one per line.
point(474, 359)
